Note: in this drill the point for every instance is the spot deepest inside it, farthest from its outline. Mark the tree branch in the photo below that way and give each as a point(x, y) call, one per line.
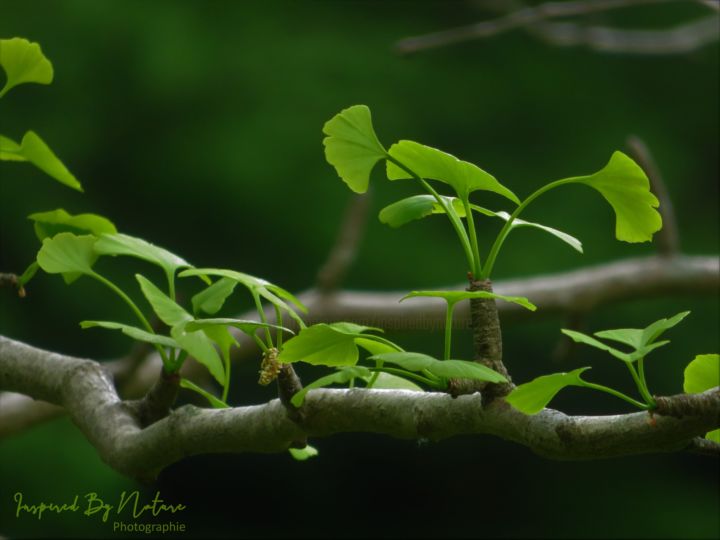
point(85, 389)
point(681, 39)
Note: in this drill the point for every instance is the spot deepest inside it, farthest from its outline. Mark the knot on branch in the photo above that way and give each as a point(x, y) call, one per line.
point(289, 384)
point(705, 404)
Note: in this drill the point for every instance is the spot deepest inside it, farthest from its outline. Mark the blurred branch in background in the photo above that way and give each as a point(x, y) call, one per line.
point(680, 39)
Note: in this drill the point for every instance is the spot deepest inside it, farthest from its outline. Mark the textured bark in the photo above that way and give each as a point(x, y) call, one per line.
point(84, 388)
point(156, 404)
point(487, 345)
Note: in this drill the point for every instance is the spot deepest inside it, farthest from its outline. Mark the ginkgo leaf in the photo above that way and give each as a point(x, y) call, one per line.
point(200, 347)
point(532, 397)
point(434, 164)
point(324, 344)
point(56, 221)
point(702, 373)
point(131, 331)
point(68, 254)
point(212, 298)
point(217, 403)
point(445, 369)
point(23, 62)
point(167, 310)
point(453, 297)
point(352, 147)
point(247, 327)
point(123, 244)
point(34, 150)
point(625, 186)
point(302, 454)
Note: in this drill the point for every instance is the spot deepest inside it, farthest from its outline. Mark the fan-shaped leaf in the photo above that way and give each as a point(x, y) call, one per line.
point(624, 185)
point(212, 298)
point(453, 297)
point(167, 310)
point(23, 62)
point(352, 147)
point(247, 327)
point(56, 221)
point(445, 369)
point(431, 163)
point(67, 254)
point(123, 244)
point(34, 150)
point(702, 373)
point(532, 397)
point(200, 346)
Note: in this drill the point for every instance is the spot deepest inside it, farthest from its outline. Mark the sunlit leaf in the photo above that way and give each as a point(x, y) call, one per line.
point(323, 344)
point(167, 310)
point(302, 454)
point(23, 62)
point(416, 207)
point(519, 223)
point(215, 402)
point(656, 329)
point(452, 297)
point(702, 373)
point(34, 150)
point(626, 187)
point(56, 221)
point(352, 147)
point(137, 334)
point(374, 347)
point(532, 397)
point(434, 164)
point(341, 376)
point(122, 244)
point(68, 254)
point(638, 338)
point(445, 369)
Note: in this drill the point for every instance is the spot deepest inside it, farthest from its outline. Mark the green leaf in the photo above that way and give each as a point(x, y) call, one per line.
point(69, 255)
point(624, 185)
point(167, 310)
point(212, 298)
point(518, 223)
point(452, 297)
point(215, 402)
point(258, 288)
point(393, 382)
point(341, 376)
point(324, 345)
point(301, 454)
point(702, 373)
point(639, 338)
point(23, 62)
point(137, 334)
point(374, 347)
point(122, 244)
point(34, 150)
point(446, 369)
point(55, 221)
point(431, 163)
point(352, 147)
point(532, 397)
point(656, 329)
point(247, 327)
point(416, 207)
point(200, 346)
point(221, 336)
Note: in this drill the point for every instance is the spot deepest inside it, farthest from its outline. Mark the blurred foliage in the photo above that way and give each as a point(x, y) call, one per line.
point(197, 125)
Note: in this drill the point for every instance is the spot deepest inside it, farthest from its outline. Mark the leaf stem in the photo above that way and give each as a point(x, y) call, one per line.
point(469, 217)
point(640, 382)
point(117, 290)
point(502, 235)
point(448, 329)
point(263, 318)
point(226, 386)
point(449, 212)
point(616, 393)
point(279, 332)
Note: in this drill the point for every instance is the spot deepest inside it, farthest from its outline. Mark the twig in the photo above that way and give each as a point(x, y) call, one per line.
point(668, 238)
point(11, 280)
point(332, 273)
point(85, 389)
point(681, 39)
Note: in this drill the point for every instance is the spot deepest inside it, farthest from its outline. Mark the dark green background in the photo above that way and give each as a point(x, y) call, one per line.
point(197, 125)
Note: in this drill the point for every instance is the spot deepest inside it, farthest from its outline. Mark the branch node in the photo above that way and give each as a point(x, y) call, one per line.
point(156, 404)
